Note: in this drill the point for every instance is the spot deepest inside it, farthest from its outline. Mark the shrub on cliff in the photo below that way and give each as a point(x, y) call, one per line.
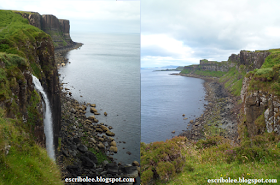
point(162, 160)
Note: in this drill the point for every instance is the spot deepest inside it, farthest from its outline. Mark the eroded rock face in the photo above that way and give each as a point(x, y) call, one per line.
point(254, 60)
point(259, 103)
point(34, 18)
point(215, 66)
point(50, 81)
point(58, 29)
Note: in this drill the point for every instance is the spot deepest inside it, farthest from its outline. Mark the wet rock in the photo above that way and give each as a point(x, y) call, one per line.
point(105, 114)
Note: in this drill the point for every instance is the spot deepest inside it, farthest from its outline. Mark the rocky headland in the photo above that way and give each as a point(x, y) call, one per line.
point(34, 44)
point(242, 93)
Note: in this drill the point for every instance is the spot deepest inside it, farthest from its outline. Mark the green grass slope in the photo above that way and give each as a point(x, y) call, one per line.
point(179, 161)
point(25, 162)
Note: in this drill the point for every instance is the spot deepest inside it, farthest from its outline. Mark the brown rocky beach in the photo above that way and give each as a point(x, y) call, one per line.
point(220, 116)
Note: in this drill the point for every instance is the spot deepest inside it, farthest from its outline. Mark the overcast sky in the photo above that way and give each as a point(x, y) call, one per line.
point(122, 16)
point(181, 32)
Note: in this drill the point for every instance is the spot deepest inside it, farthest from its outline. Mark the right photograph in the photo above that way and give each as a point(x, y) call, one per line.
point(210, 92)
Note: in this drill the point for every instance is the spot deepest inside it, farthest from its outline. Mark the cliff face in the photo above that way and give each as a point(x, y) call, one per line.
point(58, 29)
point(26, 50)
point(215, 66)
point(262, 110)
point(258, 89)
point(50, 81)
point(251, 59)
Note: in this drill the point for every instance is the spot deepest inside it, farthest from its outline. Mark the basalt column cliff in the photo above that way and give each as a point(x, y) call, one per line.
point(58, 29)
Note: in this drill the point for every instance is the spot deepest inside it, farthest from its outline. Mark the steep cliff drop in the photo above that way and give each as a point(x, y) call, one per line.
point(48, 127)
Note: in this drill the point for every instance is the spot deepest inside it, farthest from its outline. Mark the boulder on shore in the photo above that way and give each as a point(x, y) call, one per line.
point(100, 145)
point(91, 117)
point(104, 128)
point(93, 110)
point(113, 143)
point(109, 133)
point(113, 149)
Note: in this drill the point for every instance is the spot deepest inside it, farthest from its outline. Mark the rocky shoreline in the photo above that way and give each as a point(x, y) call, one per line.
point(86, 146)
point(220, 116)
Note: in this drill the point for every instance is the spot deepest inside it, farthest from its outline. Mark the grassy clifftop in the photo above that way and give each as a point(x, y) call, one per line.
point(18, 37)
point(254, 156)
point(23, 51)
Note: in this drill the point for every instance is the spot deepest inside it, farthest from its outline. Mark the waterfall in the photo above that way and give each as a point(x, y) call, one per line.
point(47, 119)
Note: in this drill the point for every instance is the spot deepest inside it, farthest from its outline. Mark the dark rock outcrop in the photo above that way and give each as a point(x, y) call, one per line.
point(58, 29)
point(260, 103)
point(251, 59)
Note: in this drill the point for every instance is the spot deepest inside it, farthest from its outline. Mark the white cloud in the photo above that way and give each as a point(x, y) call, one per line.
point(167, 44)
point(212, 29)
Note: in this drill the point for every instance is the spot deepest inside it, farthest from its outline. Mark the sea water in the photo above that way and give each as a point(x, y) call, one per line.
point(106, 71)
point(164, 99)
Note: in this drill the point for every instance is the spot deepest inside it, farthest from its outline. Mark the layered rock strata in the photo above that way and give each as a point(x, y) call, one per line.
point(260, 103)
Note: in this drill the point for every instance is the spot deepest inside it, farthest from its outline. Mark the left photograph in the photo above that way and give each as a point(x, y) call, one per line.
point(70, 92)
